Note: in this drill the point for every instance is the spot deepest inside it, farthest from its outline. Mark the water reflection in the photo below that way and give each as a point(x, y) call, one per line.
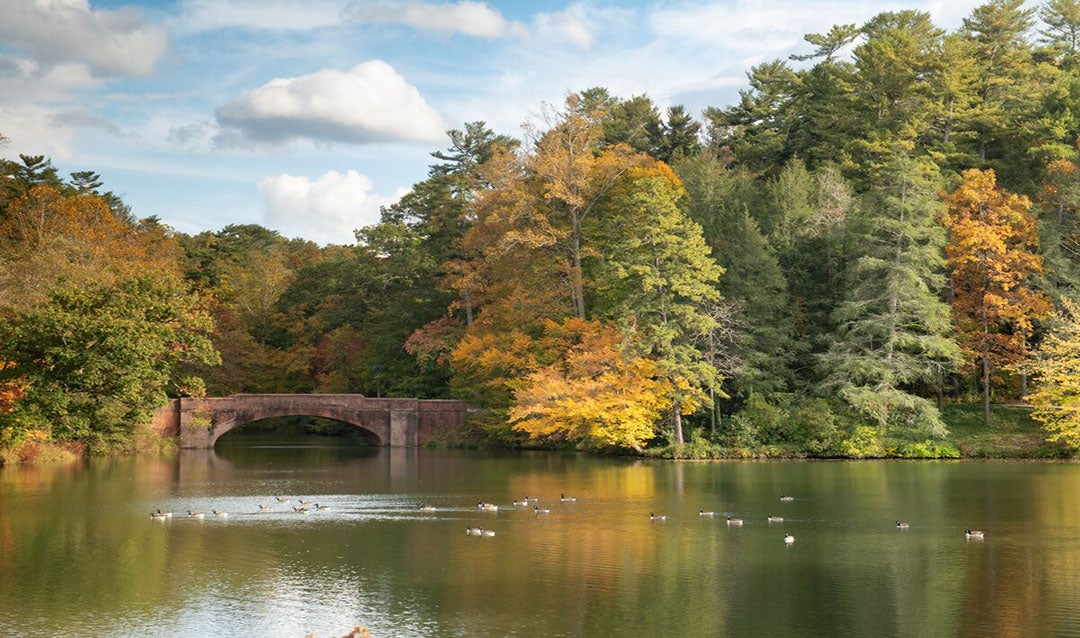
point(78, 548)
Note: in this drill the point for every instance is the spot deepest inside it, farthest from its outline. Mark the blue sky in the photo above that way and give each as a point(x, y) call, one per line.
point(305, 116)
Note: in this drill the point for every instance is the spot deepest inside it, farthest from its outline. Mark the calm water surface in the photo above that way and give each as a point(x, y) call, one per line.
point(80, 555)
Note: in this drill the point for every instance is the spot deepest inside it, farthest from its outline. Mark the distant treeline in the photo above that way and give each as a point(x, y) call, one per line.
point(885, 224)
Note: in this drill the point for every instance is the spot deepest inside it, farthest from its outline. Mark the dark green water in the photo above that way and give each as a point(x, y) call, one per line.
point(79, 554)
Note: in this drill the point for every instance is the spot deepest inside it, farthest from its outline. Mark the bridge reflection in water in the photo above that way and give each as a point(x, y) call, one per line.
point(198, 423)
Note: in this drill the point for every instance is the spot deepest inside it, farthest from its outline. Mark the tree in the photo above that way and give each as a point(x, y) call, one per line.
point(893, 330)
point(633, 122)
point(997, 32)
point(95, 315)
point(571, 181)
point(595, 394)
point(100, 360)
point(756, 129)
point(1056, 368)
point(1062, 32)
point(655, 278)
point(991, 254)
point(1059, 226)
point(719, 199)
point(897, 70)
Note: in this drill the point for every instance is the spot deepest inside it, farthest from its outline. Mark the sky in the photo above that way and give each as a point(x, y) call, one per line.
point(307, 116)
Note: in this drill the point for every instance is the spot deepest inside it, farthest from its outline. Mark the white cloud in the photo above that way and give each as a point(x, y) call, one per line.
point(466, 17)
point(34, 130)
point(286, 15)
point(24, 81)
point(369, 103)
point(106, 42)
point(565, 25)
point(326, 210)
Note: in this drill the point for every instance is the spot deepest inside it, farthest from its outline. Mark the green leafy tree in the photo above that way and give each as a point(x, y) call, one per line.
point(719, 199)
point(657, 275)
point(1062, 33)
point(893, 329)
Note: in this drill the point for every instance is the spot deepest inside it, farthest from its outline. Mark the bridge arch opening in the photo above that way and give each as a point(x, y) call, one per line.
point(296, 430)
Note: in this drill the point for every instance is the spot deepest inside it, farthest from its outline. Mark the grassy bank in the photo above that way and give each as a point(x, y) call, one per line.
point(1012, 433)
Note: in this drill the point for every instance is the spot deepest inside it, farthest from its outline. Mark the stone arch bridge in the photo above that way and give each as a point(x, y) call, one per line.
point(198, 423)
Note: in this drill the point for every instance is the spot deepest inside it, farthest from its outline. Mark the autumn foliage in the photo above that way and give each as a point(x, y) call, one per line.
point(593, 393)
point(991, 250)
point(1057, 369)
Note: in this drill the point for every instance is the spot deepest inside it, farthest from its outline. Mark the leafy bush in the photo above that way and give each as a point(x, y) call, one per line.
point(817, 425)
point(864, 442)
point(772, 421)
point(927, 450)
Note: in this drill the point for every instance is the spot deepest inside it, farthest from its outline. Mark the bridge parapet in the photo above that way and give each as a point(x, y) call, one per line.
point(198, 423)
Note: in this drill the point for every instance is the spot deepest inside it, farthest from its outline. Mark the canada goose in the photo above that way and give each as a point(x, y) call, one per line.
point(973, 533)
point(531, 499)
point(734, 522)
point(789, 539)
point(487, 507)
point(657, 517)
point(220, 514)
point(473, 531)
point(265, 508)
point(303, 502)
point(538, 510)
point(427, 508)
point(704, 513)
point(522, 503)
point(165, 514)
point(900, 525)
point(775, 519)
point(326, 507)
point(300, 510)
point(195, 514)
point(283, 501)
point(158, 516)
point(567, 499)
point(787, 499)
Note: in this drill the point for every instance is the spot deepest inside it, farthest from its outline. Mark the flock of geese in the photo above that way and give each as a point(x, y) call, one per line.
point(303, 507)
point(970, 534)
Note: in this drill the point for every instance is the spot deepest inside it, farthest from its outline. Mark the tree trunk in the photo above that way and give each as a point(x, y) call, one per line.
point(467, 302)
point(678, 424)
point(712, 421)
point(986, 391)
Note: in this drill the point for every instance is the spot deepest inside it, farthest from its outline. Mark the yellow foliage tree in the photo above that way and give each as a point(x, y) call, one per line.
point(594, 394)
point(1056, 368)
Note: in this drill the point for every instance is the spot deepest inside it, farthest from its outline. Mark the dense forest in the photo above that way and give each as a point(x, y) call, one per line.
point(885, 225)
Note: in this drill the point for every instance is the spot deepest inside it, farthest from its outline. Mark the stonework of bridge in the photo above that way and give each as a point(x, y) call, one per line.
point(199, 423)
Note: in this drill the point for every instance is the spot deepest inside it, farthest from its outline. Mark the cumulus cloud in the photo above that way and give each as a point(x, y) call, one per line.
point(465, 17)
point(367, 104)
point(108, 43)
point(33, 130)
point(326, 210)
point(565, 25)
point(284, 15)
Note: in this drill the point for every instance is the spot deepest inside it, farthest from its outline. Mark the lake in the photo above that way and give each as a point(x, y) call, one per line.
point(79, 553)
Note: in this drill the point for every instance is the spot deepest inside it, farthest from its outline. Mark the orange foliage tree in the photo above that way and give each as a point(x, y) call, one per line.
point(594, 394)
point(992, 239)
